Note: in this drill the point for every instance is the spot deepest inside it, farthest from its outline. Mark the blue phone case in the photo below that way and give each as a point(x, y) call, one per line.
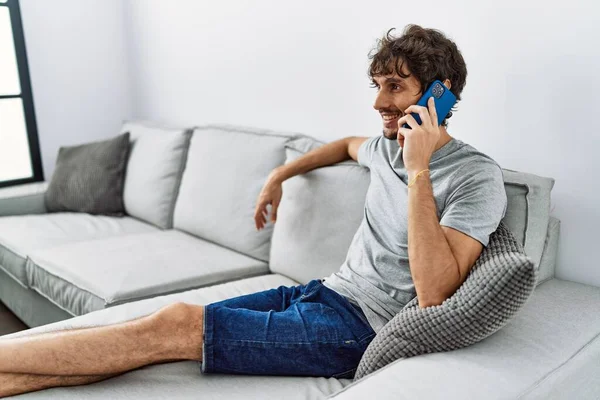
point(444, 100)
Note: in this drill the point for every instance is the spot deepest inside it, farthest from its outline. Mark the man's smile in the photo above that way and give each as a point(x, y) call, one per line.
point(389, 119)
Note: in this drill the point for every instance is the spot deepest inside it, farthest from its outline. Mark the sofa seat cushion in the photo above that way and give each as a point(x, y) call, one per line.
point(88, 276)
point(550, 349)
point(183, 379)
point(21, 235)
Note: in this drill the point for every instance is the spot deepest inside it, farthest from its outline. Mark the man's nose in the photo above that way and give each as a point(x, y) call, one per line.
point(382, 101)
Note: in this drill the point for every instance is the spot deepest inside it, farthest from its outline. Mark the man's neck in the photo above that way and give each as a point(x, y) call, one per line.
point(444, 138)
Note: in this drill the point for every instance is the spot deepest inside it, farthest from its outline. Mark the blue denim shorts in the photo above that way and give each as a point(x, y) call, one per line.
point(305, 330)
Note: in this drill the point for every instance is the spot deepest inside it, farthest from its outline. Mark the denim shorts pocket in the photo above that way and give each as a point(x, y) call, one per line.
point(346, 374)
point(366, 340)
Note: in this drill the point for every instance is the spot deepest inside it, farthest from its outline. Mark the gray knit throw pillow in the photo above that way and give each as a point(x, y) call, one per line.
point(89, 178)
point(497, 286)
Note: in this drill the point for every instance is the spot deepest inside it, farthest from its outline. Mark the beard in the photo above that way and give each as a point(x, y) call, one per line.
point(392, 134)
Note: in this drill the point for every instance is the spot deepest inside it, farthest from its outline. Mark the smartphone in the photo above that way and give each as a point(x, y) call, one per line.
point(444, 100)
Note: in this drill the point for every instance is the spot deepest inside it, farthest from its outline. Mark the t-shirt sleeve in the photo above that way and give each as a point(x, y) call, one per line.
point(366, 150)
point(477, 201)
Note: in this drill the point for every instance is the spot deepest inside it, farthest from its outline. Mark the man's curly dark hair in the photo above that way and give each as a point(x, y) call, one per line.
point(429, 55)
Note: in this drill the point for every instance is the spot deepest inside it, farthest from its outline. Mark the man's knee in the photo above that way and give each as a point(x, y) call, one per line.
point(178, 316)
point(182, 324)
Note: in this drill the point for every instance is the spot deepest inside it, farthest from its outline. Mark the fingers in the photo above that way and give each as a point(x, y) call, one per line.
point(408, 119)
point(432, 111)
point(422, 111)
point(260, 215)
point(259, 219)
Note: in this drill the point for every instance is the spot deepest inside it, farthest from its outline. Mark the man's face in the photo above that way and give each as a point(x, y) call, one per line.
point(394, 95)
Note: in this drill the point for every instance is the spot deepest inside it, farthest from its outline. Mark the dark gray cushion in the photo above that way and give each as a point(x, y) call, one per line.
point(89, 178)
point(498, 285)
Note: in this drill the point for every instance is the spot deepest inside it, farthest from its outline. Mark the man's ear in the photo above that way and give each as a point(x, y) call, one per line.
point(447, 83)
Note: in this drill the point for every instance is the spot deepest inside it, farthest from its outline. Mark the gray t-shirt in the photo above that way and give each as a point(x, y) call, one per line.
point(469, 193)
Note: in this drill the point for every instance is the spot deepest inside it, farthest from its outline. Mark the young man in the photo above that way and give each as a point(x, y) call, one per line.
point(432, 203)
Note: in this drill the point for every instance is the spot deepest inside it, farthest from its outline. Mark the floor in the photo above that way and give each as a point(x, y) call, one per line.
point(9, 322)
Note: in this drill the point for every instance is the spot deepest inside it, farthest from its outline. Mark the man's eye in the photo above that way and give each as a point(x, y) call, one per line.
point(396, 86)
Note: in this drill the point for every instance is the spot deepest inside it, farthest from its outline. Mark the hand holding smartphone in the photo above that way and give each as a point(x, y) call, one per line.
point(444, 100)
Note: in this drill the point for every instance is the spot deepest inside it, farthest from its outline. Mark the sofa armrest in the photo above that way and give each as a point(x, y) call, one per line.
point(23, 199)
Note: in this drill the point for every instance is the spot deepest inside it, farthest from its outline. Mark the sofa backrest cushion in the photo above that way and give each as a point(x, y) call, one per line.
point(548, 261)
point(156, 162)
point(528, 212)
point(226, 169)
point(318, 216)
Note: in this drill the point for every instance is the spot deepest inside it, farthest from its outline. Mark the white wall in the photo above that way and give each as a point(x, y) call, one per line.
point(530, 99)
point(79, 75)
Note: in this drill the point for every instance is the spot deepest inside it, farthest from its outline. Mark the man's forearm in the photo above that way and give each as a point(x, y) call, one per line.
point(432, 264)
point(328, 154)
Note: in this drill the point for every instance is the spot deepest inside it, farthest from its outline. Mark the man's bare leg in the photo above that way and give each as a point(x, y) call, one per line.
point(172, 333)
point(13, 384)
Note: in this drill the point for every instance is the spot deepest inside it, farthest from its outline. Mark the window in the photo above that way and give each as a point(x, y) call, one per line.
point(20, 160)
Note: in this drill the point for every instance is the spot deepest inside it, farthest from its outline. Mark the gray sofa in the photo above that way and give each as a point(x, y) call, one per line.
point(189, 236)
